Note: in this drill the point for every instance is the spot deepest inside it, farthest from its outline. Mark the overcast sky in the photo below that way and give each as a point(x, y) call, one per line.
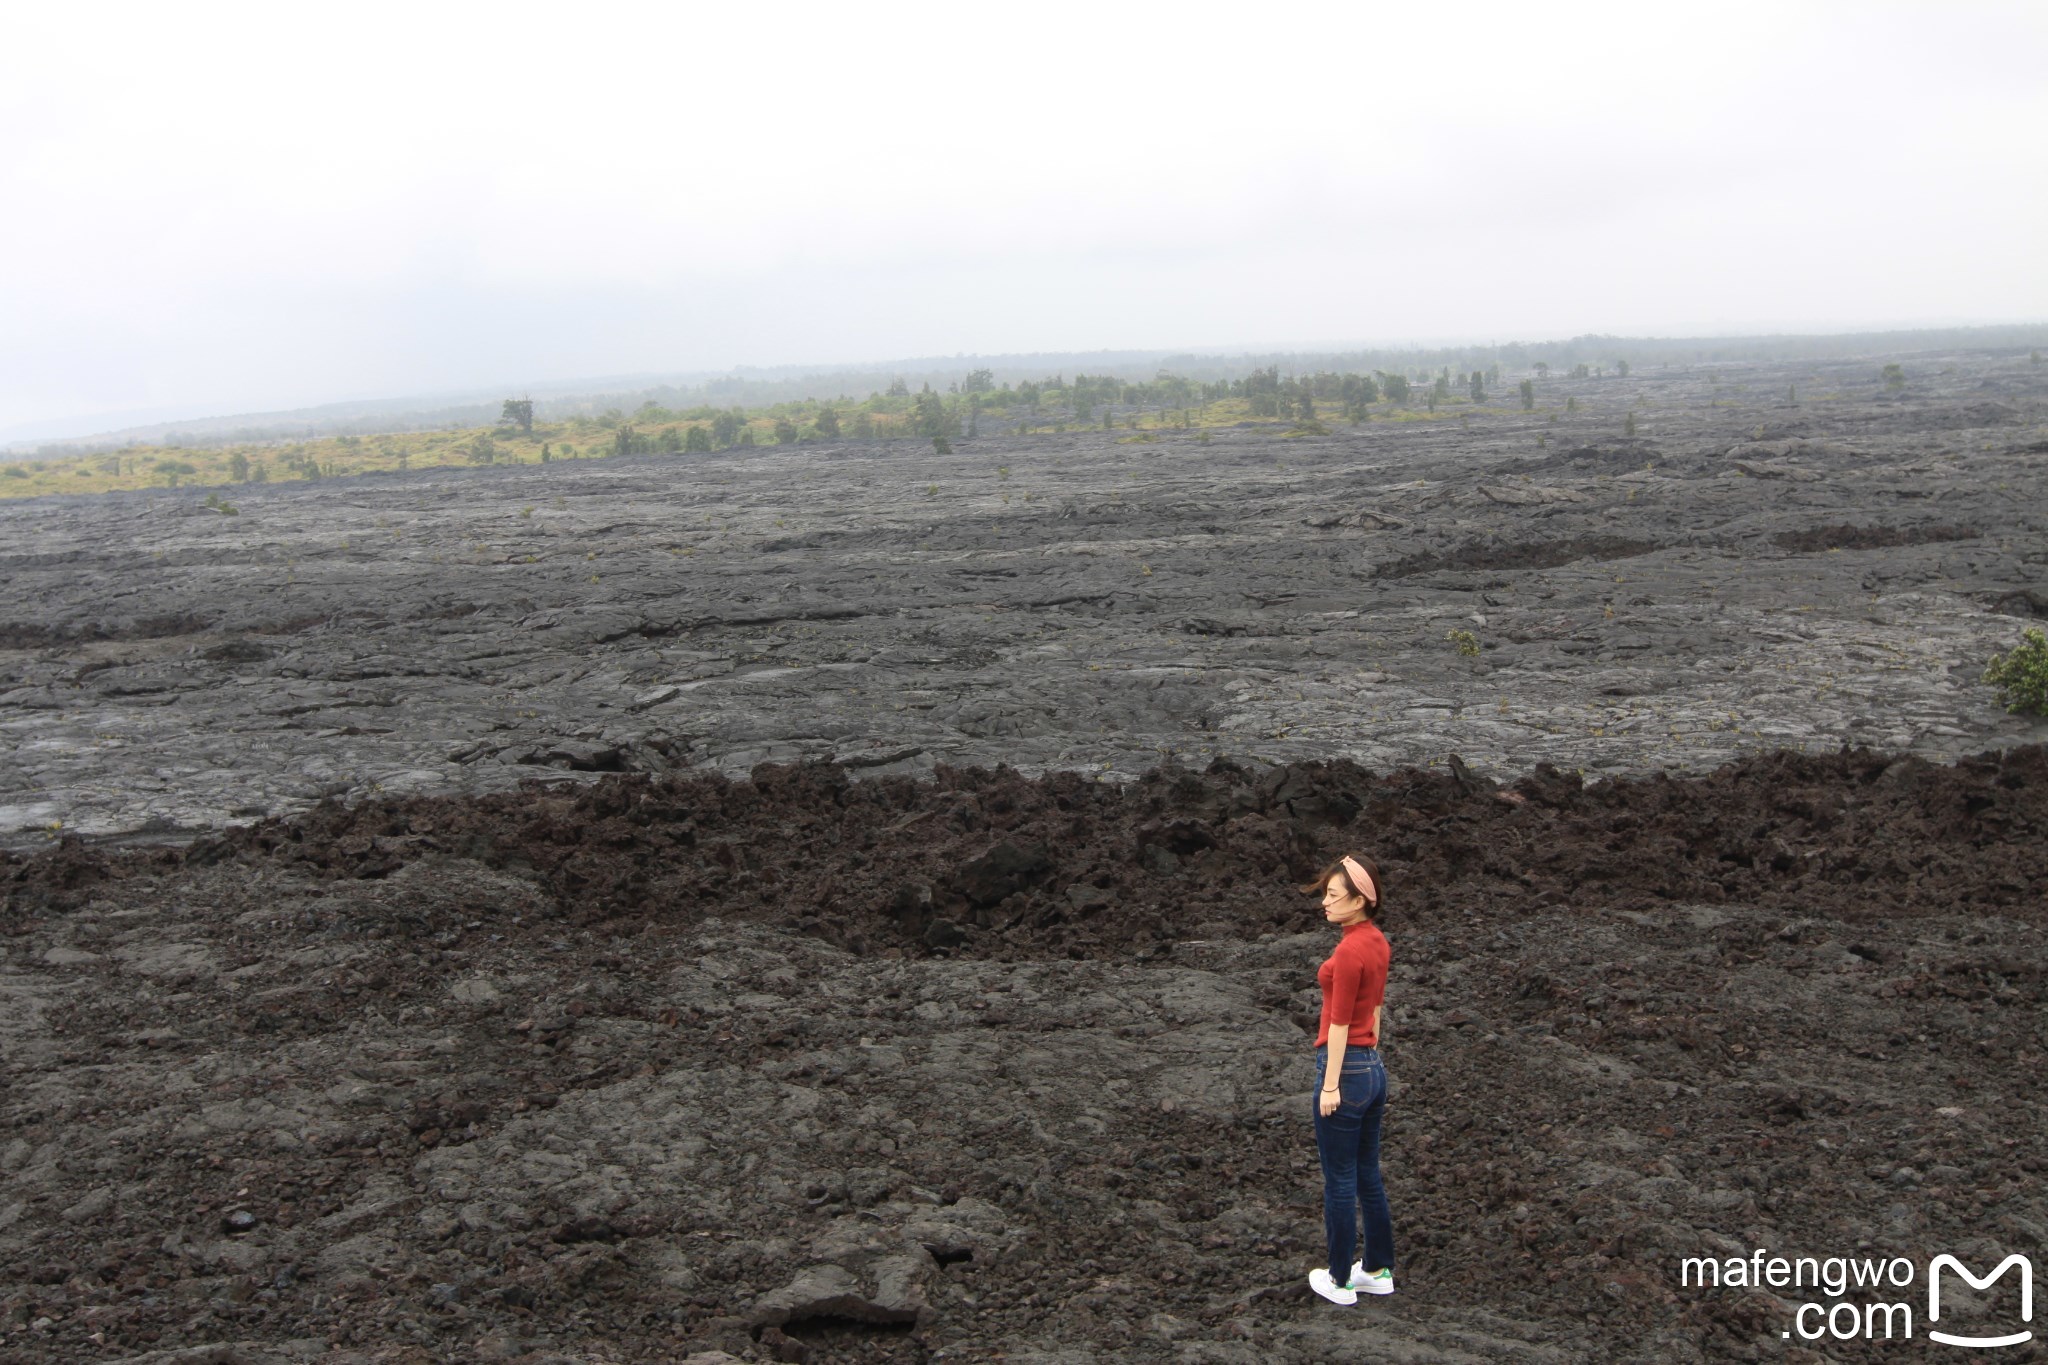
point(207, 208)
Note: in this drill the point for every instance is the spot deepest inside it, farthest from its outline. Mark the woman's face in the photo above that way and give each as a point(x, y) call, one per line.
point(1340, 906)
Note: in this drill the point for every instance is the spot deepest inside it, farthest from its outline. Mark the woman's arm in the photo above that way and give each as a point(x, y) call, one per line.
point(1377, 1011)
point(1340, 1036)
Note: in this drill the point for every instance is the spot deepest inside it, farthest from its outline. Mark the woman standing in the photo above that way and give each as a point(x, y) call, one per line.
point(1351, 1095)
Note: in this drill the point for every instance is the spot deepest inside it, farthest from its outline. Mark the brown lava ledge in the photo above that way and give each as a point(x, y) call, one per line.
point(982, 863)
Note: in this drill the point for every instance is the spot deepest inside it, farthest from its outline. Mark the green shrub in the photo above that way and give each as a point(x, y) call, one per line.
point(2021, 676)
point(1466, 642)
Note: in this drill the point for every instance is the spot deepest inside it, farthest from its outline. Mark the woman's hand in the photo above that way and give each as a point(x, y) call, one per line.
point(1327, 1101)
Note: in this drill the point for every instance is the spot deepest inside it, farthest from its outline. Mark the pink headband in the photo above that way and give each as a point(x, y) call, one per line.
point(1362, 879)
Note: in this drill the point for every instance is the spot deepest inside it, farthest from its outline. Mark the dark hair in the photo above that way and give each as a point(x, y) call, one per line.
point(1337, 869)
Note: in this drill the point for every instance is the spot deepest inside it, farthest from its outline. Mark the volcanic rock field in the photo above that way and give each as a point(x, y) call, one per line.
point(838, 902)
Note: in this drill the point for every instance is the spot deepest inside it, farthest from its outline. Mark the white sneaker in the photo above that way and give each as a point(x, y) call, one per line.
point(1378, 1282)
point(1320, 1281)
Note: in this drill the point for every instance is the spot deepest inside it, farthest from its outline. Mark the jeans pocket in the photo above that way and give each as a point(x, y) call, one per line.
point(1361, 1087)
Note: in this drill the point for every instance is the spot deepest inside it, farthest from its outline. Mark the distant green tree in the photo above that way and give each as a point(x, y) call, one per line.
point(864, 425)
point(623, 439)
point(1528, 392)
point(1621, 368)
point(1582, 371)
point(518, 412)
point(698, 439)
point(785, 432)
point(725, 426)
point(483, 450)
point(1543, 369)
point(1261, 391)
point(171, 471)
point(828, 424)
point(940, 446)
point(1628, 426)
point(547, 453)
point(1478, 387)
point(1571, 405)
point(238, 467)
point(746, 437)
point(979, 381)
point(670, 440)
point(898, 388)
point(1894, 377)
point(928, 416)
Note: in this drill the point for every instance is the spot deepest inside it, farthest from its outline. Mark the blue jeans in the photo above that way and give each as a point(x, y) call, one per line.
point(1349, 1143)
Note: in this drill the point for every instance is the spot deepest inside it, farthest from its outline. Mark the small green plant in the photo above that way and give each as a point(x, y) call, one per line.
point(1571, 405)
point(1894, 377)
point(222, 505)
point(1465, 642)
point(2021, 676)
point(1628, 426)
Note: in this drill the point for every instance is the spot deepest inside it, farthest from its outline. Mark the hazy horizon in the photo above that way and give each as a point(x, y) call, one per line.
point(255, 210)
point(1011, 365)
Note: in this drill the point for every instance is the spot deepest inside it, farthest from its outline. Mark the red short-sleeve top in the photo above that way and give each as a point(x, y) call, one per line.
point(1354, 982)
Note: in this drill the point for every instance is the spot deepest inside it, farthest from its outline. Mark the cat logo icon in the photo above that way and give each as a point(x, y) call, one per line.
point(2026, 1298)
